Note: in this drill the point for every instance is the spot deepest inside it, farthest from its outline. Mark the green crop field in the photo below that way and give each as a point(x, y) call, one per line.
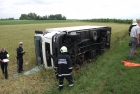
point(107, 75)
point(18, 22)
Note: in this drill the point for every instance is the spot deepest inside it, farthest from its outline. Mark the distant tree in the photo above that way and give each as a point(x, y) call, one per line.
point(37, 18)
point(51, 17)
point(32, 16)
point(23, 17)
point(126, 21)
point(58, 16)
point(64, 18)
point(10, 18)
point(45, 17)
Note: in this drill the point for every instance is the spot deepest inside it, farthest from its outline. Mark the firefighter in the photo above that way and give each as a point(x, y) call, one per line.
point(20, 53)
point(4, 56)
point(63, 66)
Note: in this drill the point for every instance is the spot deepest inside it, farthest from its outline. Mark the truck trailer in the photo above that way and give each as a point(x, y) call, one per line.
point(84, 43)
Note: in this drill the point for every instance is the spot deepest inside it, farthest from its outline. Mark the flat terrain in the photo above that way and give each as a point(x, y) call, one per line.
point(107, 75)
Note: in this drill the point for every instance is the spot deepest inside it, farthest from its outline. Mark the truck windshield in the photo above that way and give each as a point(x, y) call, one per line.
point(38, 49)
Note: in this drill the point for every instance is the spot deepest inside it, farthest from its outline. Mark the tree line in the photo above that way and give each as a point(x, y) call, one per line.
point(7, 19)
point(34, 16)
point(107, 20)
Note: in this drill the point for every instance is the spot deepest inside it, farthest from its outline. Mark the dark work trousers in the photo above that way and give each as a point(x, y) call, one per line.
point(20, 64)
point(4, 69)
point(133, 41)
point(69, 79)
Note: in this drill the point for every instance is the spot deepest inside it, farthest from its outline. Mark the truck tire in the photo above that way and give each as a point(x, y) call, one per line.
point(93, 35)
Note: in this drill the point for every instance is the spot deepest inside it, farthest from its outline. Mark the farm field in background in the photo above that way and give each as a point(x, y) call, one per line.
point(18, 22)
point(90, 78)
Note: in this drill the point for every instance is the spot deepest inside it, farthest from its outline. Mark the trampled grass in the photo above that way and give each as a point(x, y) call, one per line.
point(107, 75)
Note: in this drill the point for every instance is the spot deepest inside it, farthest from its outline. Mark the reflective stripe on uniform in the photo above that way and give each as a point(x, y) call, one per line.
point(61, 85)
point(8, 55)
point(62, 61)
point(70, 67)
point(71, 84)
point(63, 74)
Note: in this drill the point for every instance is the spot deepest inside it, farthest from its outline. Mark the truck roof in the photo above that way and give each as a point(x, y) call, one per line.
point(73, 28)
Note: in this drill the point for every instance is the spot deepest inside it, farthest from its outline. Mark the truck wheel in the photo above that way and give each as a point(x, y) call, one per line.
point(94, 35)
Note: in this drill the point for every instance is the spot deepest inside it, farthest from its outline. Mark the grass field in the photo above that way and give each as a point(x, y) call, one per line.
point(105, 76)
point(18, 22)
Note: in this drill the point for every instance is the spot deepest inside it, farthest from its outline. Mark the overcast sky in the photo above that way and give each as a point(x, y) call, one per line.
point(72, 9)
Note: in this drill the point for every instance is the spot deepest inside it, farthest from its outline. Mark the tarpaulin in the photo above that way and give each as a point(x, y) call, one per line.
point(130, 64)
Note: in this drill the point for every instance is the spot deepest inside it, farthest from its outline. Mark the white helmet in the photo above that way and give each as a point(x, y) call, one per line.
point(63, 49)
point(134, 22)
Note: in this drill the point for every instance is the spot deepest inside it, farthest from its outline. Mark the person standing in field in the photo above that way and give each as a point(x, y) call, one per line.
point(134, 23)
point(63, 66)
point(20, 53)
point(134, 38)
point(4, 62)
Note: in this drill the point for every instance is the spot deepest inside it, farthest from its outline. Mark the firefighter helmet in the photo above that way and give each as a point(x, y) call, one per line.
point(63, 49)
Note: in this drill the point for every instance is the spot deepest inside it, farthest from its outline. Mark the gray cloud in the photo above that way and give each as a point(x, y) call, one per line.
point(71, 8)
point(22, 2)
point(40, 2)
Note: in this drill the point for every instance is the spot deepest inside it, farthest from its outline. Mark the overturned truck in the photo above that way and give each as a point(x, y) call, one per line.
point(84, 43)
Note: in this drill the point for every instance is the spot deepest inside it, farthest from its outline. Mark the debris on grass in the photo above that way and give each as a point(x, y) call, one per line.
point(34, 70)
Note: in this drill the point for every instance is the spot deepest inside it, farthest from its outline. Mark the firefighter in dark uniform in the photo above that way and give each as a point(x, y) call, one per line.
point(4, 55)
point(20, 53)
point(63, 66)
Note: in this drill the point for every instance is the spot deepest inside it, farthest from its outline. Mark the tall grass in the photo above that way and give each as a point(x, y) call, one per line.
point(91, 78)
